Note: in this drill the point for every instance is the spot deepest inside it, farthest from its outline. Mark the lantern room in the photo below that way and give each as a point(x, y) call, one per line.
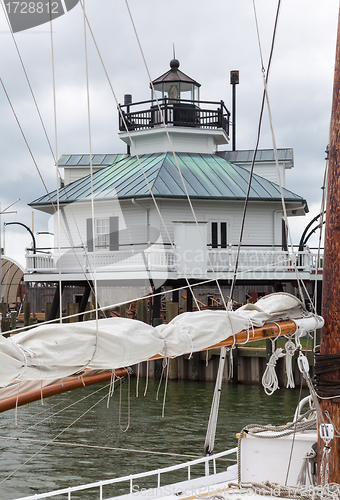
point(175, 86)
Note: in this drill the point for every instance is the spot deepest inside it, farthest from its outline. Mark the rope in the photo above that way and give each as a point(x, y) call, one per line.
point(211, 429)
point(269, 379)
point(329, 492)
point(326, 363)
point(253, 159)
point(138, 159)
point(97, 447)
point(52, 440)
point(120, 404)
point(175, 156)
point(300, 425)
point(290, 349)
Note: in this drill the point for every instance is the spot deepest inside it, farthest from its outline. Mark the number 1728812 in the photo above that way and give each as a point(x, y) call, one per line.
point(32, 7)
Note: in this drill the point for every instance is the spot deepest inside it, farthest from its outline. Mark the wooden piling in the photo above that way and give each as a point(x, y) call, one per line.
point(47, 310)
point(27, 312)
point(171, 313)
point(72, 308)
point(5, 326)
point(13, 320)
point(122, 311)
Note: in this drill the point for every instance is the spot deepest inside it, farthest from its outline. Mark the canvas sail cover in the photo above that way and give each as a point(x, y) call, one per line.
point(55, 351)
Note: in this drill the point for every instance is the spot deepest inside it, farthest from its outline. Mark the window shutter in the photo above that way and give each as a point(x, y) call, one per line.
point(214, 237)
point(89, 235)
point(223, 235)
point(114, 233)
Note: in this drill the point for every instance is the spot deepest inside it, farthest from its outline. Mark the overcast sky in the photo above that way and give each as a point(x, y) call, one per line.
point(211, 38)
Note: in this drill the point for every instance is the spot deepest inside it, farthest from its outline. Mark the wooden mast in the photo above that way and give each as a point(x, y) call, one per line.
point(330, 336)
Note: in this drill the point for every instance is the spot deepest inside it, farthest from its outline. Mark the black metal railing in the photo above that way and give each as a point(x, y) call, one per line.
point(201, 114)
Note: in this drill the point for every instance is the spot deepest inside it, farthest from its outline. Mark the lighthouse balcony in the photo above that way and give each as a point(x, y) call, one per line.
point(181, 113)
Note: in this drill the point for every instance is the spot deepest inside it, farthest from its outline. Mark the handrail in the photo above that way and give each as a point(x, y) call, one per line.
point(130, 478)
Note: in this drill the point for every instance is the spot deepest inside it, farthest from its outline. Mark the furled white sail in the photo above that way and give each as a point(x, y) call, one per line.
point(59, 350)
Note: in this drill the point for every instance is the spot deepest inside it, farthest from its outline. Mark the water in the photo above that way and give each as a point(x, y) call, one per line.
point(181, 431)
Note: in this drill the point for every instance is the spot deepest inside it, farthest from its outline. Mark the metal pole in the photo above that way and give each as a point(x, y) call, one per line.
point(234, 80)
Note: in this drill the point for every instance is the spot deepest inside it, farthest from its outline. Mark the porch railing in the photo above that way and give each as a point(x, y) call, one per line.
point(79, 260)
point(221, 260)
point(201, 114)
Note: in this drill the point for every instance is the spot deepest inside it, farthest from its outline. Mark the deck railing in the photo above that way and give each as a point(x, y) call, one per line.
point(79, 260)
point(200, 114)
point(164, 259)
point(157, 474)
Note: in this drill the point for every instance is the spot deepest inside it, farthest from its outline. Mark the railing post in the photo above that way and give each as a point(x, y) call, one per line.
point(207, 467)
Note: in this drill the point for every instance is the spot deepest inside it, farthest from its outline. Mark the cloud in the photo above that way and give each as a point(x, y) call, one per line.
point(211, 38)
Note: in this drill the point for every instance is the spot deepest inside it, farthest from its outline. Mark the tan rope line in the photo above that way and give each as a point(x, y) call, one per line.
point(137, 157)
point(52, 440)
point(56, 163)
point(174, 154)
point(109, 448)
point(92, 191)
point(259, 126)
point(28, 80)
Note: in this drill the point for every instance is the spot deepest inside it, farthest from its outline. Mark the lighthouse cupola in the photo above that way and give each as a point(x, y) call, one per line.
point(175, 119)
point(175, 86)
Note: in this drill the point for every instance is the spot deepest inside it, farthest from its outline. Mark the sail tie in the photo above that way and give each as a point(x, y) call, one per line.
point(290, 349)
point(180, 327)
point(24, 351)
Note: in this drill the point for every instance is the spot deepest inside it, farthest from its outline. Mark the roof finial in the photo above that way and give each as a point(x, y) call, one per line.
point(174, 63)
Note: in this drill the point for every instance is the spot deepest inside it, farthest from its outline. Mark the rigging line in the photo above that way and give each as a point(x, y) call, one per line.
point(253, 159)
point(52, 440)
point(30, 427)
point(36, 414)
point(28, 80)
point(24, 137)
point(287, 229)
point(322, 216)
point(92, 195)
point(39, 173)
point(43, 126)
point(137, 156)
point(193, 285)
point(109, 448)
point(174, 154)
point(56, 167)
point(42, 179)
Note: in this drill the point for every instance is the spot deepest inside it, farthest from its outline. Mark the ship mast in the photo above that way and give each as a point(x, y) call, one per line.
point(330, 336)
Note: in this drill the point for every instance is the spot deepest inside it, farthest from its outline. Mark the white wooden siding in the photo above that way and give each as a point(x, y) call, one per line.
point(132, 222)
point(259, 225)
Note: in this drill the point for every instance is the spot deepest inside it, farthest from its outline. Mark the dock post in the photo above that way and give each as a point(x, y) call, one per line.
point(122, 311)
point(27, 312)
point(47, 310)
point(194, 361)
point(171, 313)
point(157, 363)
point(13, 320)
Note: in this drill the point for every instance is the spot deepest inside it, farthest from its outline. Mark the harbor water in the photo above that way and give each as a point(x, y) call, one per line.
point(88, 439)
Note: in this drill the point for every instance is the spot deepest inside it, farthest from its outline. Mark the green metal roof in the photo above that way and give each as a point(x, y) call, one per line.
point(207, 176)
point(262, 155)
point(84, 160)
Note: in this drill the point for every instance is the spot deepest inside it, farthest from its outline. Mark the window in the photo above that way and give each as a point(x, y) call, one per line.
point(102, 233)
point(218, 235)
point(106, 234)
